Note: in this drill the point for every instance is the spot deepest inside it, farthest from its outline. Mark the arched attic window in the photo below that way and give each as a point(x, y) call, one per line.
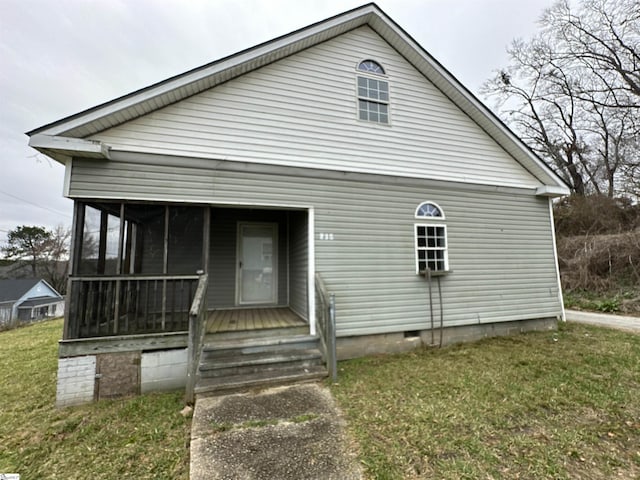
point(431, 239)
point(371, 66)
point(430, 210)
point(373, 92)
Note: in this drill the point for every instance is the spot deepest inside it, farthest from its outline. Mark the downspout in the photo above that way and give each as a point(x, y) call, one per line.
point(555, 257)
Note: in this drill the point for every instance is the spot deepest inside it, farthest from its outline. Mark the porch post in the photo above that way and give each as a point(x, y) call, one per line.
point(311, 277)
point(102, 242)
point(165, 265)
point(206, 238)
point(116, 309)
point(75, 250)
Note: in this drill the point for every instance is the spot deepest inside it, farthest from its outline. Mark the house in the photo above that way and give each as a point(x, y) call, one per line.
point(27, 300)
point(222, 207)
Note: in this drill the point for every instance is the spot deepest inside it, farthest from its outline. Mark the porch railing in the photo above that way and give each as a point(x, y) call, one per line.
point(129, 304)
point(326, 321)
point(197, 329)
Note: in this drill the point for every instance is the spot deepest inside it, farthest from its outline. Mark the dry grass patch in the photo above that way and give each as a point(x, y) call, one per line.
point(142, 437)
point(555, 405)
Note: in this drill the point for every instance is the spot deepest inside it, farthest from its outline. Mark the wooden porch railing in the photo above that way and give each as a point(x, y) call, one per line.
point(326, 321)
point(197, 329)
point(129, 304)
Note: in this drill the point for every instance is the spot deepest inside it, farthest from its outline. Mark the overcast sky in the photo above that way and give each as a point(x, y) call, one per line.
point(60, 57)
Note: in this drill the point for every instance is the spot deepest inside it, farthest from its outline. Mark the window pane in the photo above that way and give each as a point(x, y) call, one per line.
point(149, 220)
point(185, 240)
point(90, 241)
point(113, 240)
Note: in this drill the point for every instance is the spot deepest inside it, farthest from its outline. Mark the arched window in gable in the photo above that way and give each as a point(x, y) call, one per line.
point(429, 210)
point(373, 92)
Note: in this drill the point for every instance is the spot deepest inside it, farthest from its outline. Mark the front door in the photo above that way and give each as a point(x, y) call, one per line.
point(257, 263)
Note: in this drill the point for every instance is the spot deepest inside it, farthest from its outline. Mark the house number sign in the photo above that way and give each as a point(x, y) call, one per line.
point(326, 236)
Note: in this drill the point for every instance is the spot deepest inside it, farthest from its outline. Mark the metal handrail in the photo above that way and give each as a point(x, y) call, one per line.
point(197, 318)
point(327, 323)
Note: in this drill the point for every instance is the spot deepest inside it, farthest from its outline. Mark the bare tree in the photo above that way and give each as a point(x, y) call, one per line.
point(572, 94)
point(55, 266)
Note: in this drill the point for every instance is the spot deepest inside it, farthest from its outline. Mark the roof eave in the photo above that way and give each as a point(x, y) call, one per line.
point(552, 191)
point(63, 148)
point(197, 80)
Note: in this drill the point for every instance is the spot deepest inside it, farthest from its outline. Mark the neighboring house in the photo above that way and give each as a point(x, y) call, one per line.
point(342, 152)
point(27, 300)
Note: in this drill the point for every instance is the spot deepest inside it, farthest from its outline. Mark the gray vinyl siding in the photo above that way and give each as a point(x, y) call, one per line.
point(223, 253)
point(301, 111)
point(500, 243)
point(298, 264)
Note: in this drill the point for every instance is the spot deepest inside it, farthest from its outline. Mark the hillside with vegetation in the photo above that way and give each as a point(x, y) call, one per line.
point(598, 241)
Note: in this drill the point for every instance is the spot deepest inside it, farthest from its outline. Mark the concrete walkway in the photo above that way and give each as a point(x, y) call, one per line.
point(294, 432)
point(631, 324)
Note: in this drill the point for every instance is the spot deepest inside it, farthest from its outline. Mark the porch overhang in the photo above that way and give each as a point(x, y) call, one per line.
point(63, 149)
point(552, 191)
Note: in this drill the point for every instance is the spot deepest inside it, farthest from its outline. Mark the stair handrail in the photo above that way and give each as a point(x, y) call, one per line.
point(197, 319)
point(326, 319)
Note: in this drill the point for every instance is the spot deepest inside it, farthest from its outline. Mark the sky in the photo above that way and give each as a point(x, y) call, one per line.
point(60, 57)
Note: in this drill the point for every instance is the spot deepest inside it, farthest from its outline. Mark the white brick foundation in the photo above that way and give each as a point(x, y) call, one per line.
point(76, 380)
point(163, 370)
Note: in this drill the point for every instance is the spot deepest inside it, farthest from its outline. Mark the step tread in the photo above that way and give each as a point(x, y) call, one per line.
point(259, 358)
point(231, 335)
point(248, 381)
point(258, 342)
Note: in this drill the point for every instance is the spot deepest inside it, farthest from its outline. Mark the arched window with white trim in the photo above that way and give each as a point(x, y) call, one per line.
point(373, 92)
point(431, 239)
point(429, 210)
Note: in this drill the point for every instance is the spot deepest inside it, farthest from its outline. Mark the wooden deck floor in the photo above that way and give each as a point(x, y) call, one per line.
point(252, 319)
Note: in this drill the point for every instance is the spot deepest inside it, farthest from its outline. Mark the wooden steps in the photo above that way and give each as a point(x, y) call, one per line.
point(252, 359)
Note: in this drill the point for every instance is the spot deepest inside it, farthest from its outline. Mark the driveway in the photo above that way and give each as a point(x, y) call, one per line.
point(631, 324)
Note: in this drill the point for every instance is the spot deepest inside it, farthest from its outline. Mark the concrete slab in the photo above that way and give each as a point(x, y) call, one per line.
point(290, 432)
point(631, 324)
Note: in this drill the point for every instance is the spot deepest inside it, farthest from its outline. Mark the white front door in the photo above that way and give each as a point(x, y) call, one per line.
point(257, 263)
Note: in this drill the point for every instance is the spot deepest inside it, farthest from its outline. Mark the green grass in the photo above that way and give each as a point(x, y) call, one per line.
point(142, 437)
point(620, 300)
point(556, 405)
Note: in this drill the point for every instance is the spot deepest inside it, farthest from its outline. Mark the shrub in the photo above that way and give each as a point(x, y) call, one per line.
point(595, 214)
point(598, 263)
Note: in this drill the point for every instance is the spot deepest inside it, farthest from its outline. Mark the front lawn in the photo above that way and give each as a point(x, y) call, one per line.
point(142, 437)
point(558, 405)
point(555, 405)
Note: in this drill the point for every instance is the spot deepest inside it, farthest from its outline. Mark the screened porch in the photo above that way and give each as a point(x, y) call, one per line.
point(136, 267)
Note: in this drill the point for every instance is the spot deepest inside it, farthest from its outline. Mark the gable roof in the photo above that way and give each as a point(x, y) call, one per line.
point(15, 288)
point(65, 138)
